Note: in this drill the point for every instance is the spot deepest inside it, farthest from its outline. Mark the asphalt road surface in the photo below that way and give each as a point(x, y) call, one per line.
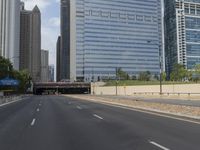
point(62, 123)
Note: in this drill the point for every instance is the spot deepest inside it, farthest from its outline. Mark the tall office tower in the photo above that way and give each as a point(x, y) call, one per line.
point(65, 40)
point(105, 35)
point(44, 66)
point(9, 30)
point(182, 33)
point(30, 42)
point(51, 73)
point(58, 61)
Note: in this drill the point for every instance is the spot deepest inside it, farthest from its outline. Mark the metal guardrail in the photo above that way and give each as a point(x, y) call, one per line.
point(158, 93)
point(7, 99)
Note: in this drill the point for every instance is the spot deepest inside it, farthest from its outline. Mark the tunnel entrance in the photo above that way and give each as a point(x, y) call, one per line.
point(61, 88)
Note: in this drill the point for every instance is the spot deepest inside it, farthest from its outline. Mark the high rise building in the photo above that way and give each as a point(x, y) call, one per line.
point(44, 66)
point(182, 33)
point(65, 40)
point(105, 35)
point(30, 42)
point(58, 61)
point(9, 30)
point(51, 73)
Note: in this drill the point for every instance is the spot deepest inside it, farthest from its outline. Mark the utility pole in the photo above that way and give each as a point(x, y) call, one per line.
point(160, 63)
point(116, 81)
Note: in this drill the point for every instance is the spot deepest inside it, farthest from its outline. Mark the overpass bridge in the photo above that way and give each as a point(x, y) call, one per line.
point(62, 87)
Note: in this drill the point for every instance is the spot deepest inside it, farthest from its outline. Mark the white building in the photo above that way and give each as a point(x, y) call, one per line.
point(9, 30)
point(44, 66)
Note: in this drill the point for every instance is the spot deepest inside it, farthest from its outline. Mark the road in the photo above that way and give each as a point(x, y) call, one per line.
point(63, 123)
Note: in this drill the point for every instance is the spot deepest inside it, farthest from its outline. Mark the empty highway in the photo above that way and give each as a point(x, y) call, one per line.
point(63, 123)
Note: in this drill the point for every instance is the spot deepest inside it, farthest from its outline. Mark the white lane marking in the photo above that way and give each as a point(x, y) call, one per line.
point(97, 116)
point(158, 145)
point(149, 112)
point(78, 107)
point(33, 122)
point(38, 110)
point(69, 103)
point(40, 104)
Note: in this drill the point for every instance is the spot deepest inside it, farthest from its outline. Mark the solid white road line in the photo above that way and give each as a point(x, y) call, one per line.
point(78, 107)
point(33, 122)
point(150, 112)
point(97, 116)
point(12, 102)
point(158, 145)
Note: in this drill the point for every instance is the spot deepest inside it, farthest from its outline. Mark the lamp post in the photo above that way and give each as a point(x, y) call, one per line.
point(160, 63)
point(116, 81)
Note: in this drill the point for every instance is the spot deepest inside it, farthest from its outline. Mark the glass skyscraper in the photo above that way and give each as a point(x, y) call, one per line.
point(110, 34)
point(182, 32)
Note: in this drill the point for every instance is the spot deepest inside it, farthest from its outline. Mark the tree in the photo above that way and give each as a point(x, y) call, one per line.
point(164, 76)
point(122, 74)
point(179, 73)
point(145, 76)
point(196, 74)
point(24, 78)
point(5, 67)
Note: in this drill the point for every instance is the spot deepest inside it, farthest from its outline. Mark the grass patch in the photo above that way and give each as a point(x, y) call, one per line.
point(136, 82)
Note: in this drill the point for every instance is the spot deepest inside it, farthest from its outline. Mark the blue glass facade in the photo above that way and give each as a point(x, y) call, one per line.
point(182, 33)
point(114, 34)
point(193, 40)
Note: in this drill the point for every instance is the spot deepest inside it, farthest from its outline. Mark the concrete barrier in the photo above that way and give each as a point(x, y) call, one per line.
point(176, 89)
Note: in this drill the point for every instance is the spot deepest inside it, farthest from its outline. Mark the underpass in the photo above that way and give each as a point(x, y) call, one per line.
point(62, 88)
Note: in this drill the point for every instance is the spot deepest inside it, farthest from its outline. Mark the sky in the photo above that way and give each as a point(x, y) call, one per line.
point(50, 28)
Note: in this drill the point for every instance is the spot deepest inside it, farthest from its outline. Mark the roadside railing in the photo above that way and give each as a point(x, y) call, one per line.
point(168, 94)
point(7, 99)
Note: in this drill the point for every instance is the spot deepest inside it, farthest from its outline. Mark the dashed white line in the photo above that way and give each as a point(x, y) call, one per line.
point(38, 110)
point(78, 107)
point(97, 116)
point(158, 145)
point(40, 104)
point(33, 122)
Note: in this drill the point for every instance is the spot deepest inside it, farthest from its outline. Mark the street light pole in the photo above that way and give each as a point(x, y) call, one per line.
point(160, 65)
point(116, 81)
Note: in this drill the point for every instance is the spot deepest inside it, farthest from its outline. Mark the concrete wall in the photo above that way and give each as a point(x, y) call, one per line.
point(130, 90)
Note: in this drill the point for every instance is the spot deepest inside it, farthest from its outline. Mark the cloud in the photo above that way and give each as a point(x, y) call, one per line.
point(54, 22)
point(42, 4)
